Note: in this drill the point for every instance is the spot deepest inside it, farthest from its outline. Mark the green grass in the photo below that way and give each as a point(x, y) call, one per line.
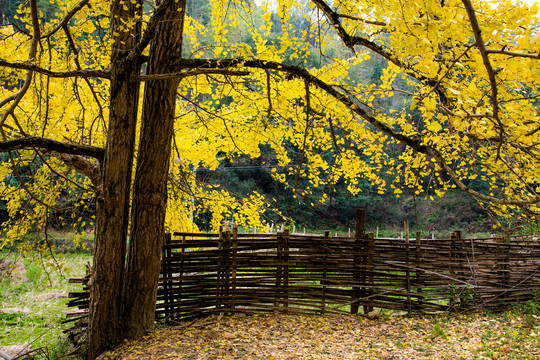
point(39, 321)
point(70, 242)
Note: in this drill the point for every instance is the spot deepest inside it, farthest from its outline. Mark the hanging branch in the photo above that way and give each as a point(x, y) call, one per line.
point(32, 52)
point(491, 73)
point(78, 65)
point(512, 53)
point(52, 145)
point(83, 73)
point(269, 96)
point(67, 18)
point(306, 134)
point(345, 98)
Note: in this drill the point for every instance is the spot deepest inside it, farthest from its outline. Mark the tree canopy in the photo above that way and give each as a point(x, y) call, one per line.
point(470, 73)
point(454, 104)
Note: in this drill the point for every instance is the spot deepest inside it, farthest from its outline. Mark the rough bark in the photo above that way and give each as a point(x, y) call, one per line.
point(112, 208)
point(150, 186)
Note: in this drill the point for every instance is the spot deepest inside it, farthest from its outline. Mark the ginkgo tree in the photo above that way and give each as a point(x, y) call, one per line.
point(134, 95)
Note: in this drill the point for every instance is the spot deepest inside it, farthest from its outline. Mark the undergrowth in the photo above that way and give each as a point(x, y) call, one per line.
point(33, 302)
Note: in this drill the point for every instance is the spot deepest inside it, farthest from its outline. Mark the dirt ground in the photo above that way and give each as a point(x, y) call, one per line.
point(478, 336)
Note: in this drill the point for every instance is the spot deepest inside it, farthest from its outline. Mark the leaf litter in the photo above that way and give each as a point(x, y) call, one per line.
point(510, 335)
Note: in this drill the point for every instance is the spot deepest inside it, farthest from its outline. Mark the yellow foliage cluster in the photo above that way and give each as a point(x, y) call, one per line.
point(456, 125)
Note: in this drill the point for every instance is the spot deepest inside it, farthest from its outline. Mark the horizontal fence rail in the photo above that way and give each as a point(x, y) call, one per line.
point(230, 272)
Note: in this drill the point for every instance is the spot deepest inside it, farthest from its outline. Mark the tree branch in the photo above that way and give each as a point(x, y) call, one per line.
point(53, 145)
point(185, 74)
point(67, 18)
point(370, 22)
point(489, 68)
point(80, 164)
point(103, 74)
point(415, 142)
point(32, 52)
point(158, 14)
point(512, 53)
point(351, 41)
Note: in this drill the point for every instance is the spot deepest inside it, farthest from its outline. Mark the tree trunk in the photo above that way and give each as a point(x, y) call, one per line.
point(112, 208)
point(150, 186)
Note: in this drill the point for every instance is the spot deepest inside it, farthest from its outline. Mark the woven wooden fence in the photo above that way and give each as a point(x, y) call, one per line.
point(231, 272)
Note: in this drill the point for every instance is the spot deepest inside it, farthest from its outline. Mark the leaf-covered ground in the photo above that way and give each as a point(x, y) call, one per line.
point(511, 335)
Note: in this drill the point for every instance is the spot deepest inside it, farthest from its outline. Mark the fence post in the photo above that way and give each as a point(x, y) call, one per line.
point(460, 270)
point(181, 271)
point(286, 270)
point(453, 269)
point(220, 268)
point(358, 259)
point(325, 269)
point(223, 268)
point(371, 270)
point(418, 271)
point(407, 268)
point(234, 266)
point(165, 270)
point(279, 272)
point(228, 270)
point(502, 263)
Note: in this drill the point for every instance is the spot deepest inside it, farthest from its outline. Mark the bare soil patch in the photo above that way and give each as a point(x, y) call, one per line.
point(50, 296)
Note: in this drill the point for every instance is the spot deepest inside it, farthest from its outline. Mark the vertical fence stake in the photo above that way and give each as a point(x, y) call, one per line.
point(286, 270)
point(474, 273)
point(227, 273)
point(223, 268)
point(324, 271)
point(407, 268)
point(452, 285)
point(165, 269)
point(234, 266)
point(460, 270)
point(418, 271)
point(279, 272)
point(358, 259)
point(371, 270)
point(181, 271)
point(502, 262)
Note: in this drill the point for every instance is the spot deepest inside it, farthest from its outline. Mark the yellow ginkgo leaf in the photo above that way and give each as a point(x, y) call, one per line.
point(430, 103)
point(434, 127)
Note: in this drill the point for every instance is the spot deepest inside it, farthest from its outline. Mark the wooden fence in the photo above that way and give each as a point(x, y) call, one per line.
point(291, 273)
point(231, 272)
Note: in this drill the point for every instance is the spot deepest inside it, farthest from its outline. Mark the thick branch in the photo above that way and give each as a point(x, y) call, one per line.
point(156, 18)
point(352, 41)
point(184, 74)
point(52, 145)
point(414, 142)
point(370, 22)
point(67, 18)
point(513, 53)
point(104, 74)
point(29, 74)
point(487, 64)
point(80, 164)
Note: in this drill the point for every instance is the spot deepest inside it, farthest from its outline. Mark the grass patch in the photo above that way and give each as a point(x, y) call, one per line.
point(33, 300)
